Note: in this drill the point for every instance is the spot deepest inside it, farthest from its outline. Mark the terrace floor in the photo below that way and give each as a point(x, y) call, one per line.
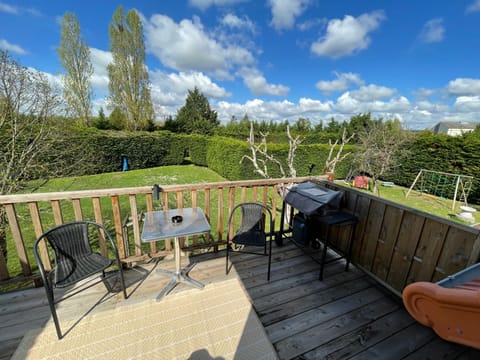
point(345, 316)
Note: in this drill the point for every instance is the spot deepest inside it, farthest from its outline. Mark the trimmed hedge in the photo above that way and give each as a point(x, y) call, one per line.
point(224, 155)
point(92, 151)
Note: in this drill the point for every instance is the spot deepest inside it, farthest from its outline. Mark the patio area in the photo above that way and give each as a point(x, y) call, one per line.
point(347, 315)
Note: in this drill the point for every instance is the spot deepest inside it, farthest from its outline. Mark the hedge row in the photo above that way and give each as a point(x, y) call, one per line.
point(99, 151)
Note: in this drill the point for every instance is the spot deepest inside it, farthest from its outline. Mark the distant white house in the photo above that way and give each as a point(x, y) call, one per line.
point(453, 128)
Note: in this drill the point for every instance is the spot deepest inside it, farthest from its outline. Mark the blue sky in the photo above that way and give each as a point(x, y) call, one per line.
point(417, 61)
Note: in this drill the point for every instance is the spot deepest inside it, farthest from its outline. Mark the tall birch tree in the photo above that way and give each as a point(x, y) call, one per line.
point(129, 83)
point(74, 56)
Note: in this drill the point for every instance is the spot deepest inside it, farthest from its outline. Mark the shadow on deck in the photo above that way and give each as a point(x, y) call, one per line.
point(347, 315)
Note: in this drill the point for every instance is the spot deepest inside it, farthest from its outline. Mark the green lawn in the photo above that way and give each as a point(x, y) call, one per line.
point(166, 175)
point(425, 202)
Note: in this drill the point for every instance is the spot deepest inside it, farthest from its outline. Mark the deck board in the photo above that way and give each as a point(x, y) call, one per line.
point(347, 315)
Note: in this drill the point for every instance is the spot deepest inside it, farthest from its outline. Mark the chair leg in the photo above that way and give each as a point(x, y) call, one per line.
point(51, 303)
point(122, 282)
point(226, 266)
point(269, 259)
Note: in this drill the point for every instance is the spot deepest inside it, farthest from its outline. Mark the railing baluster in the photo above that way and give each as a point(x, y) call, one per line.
point(97, 210)
point(57, 212)
point(38, 228)
point(77, 209)
point(117, 220)
point(18, 239)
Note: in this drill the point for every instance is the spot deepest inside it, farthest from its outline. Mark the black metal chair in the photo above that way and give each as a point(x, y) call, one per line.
point(74, 260)
point(250, 230)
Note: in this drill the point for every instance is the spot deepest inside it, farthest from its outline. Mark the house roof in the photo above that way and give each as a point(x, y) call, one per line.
point(456, 125)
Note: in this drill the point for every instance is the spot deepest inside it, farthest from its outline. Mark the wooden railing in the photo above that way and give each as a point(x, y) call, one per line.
point(29, 215)
point(395, 244)
point(398, 245)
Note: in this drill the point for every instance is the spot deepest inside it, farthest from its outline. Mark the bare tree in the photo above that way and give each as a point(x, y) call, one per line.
point(26, 104)
point(74, 56)
point(378, 146)
point(331, 163)
point(260, 157)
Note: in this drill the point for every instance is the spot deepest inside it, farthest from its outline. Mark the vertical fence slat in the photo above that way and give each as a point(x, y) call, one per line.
point(18, 239)
point(38, 228)
point(206, 208)
point(243, 196)
point(117, 220)
point(97, 211)
point(57, 212)
point(149, 201)
point(77, 209)
point(220, 214)
point(136, 225)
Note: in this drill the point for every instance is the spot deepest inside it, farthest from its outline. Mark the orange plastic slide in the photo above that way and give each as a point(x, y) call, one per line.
point(452, 312)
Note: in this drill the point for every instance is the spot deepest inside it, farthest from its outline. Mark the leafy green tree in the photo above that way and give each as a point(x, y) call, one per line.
point(196, 116)
point(102, 122)
point(117, 119)
point(74, 56)
point(359, 123)
point(129, 83)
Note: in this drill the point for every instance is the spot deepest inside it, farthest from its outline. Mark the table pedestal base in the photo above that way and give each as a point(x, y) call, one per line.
point(178, 276)
point(181, 277)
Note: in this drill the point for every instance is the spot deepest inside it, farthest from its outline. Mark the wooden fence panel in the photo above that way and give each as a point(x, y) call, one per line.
point(387, 241)
point(371, 234)
point(455, 252)
point(403, 253)
point(428, 250)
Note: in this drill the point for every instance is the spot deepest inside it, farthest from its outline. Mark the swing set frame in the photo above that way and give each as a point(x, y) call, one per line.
point(462, 183)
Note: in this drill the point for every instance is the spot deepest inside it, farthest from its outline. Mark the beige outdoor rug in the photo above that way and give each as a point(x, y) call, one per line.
point(217, 322)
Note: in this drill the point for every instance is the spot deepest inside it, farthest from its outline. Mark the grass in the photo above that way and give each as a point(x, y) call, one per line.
point(430, 204)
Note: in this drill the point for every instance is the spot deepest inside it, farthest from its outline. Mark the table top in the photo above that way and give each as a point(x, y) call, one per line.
point(158, 225)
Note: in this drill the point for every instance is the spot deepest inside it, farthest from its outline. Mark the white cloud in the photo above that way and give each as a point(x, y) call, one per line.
point(186, 46)
point(348, 36)
point(9, 8)
point(176, 85)
point(17, 10)
point(205, 4)
point(314, 106)
point(5, 45)
point(467, 104)
point(284, 12)
point(473, 7)
point(341, 83)
point(100, 60)
point(234, 22)
point(432, 31)
point(258, 85)
point(464, 86)
point(348, 104)
point(372, 92)
point(424, 93)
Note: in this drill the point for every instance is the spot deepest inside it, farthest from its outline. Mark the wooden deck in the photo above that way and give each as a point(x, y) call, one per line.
point(345, 316)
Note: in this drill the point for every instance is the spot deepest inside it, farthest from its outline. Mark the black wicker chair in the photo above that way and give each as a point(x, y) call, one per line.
point(74, 260)
point(250, 230)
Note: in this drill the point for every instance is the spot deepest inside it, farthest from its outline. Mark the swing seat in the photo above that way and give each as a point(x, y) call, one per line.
point(451, 307)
